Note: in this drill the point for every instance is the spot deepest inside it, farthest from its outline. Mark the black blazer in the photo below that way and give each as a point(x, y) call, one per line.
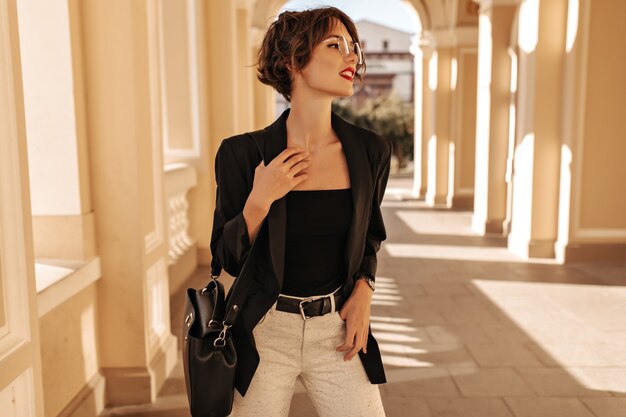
point(368, 156)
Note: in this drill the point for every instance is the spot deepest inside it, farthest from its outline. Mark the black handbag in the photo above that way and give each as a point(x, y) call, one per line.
point(209, 352)
point(209, 355)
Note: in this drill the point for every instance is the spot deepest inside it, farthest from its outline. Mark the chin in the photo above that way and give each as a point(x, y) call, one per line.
point(346, 92)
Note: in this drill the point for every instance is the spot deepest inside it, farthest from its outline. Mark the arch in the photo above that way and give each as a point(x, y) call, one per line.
point(263, 11)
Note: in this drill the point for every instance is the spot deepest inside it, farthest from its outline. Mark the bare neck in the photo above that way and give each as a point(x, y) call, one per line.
point(309, 123)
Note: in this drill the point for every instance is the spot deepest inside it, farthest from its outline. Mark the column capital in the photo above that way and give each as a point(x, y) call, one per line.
point(485, 5)
point(447, 38)
point(244, 4)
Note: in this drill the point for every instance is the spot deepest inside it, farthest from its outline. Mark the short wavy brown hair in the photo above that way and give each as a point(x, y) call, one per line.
point(290, 40)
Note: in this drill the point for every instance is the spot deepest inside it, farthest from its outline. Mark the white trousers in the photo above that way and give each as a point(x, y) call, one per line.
point(291, 348)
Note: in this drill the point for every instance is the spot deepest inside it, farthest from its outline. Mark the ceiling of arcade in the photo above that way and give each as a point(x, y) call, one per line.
point(434, 14)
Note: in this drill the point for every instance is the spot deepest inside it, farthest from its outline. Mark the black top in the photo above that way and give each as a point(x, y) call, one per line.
point(317, 225)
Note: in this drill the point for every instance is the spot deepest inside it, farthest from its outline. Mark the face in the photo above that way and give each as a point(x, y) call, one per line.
point(321, 76)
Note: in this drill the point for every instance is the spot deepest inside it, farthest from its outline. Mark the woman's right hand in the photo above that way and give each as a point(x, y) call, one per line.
point(283, 173)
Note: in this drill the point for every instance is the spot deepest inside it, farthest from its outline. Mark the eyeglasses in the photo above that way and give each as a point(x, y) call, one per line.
point(344, 49)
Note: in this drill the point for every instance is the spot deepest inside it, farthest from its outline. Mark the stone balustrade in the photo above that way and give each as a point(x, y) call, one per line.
point(179, 179)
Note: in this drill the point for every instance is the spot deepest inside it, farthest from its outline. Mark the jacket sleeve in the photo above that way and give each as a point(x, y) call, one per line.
point(230, 242)
point(376, 230)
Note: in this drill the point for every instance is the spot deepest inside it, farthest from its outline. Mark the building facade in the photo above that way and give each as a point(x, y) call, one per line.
point(389, 62)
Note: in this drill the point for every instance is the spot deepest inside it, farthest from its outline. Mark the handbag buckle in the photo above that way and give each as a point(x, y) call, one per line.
point(220, 341)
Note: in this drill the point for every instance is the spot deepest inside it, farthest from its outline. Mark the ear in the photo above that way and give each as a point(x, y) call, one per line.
point(291, 66)
point(293, 73)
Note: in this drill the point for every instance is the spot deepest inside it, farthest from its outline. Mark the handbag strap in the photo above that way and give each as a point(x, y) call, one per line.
point(239, 289)
point(216, 289)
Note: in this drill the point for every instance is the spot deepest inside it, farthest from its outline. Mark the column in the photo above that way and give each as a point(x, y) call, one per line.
point(223, 104)
point(264, 96)
point(122, 67)
point(422, 117)
point(492, 115)
point(450, 120)
point(223, 70)
point(463, 120)
point(541, 48)
point(244, 68)
point(21, 387)
point(592, 204)
point(439, 71)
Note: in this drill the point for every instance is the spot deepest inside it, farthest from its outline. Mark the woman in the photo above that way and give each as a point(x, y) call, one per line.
point(307, 223)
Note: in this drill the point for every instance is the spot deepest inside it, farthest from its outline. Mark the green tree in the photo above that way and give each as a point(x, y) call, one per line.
point(386, 115)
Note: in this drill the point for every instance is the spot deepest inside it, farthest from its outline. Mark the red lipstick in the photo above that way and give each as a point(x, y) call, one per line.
point(349, 76)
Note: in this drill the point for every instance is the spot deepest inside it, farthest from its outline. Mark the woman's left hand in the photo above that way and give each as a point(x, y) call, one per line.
point(356, 313)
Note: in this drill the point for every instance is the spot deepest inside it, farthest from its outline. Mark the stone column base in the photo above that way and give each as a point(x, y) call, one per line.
point(487, 226)
point(591, 252)
point(89, 402)
point(140, 385)
point(420, 192)
point(436, 200)
point(531, 249)
point(462, 202)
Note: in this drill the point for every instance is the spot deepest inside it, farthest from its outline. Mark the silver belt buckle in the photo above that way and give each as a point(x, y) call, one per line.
point(304, 316)
point(308, 300)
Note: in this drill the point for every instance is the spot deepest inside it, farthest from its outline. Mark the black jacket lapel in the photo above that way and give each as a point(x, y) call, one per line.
point(275, 141)
point(360, 175)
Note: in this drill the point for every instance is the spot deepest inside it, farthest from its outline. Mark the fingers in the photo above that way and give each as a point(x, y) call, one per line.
point(352, 352)
point(349, 342)
point(288, 153)
point(298, 161)
point(292, 162)
point(354, 342)
point(362, 342)
point(297, 168)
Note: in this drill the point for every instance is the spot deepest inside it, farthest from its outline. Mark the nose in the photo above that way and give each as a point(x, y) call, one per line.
point(351, 57)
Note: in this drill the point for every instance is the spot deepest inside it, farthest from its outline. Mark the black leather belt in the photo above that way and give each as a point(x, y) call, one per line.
point(310, 307)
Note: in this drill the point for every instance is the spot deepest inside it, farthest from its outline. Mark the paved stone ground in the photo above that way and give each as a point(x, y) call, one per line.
point(467, 329)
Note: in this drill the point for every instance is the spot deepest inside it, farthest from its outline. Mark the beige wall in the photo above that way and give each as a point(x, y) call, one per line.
point(468, 120)
point(177, 75)
point(50, 40)
point(3, 317)
point(69, 349)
